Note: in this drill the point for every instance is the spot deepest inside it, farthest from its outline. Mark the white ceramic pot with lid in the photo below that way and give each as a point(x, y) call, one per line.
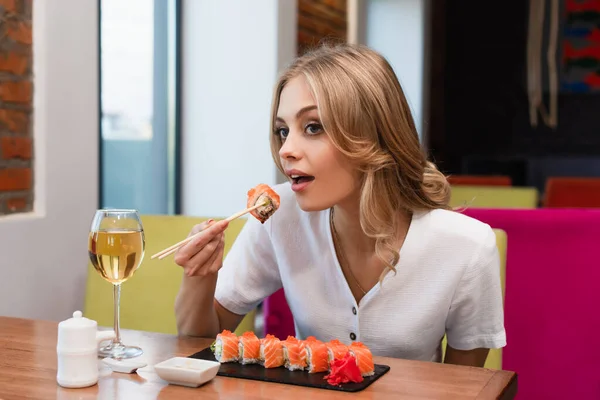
point(77, 351)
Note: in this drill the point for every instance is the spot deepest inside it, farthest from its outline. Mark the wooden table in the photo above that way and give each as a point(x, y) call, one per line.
point(28, 371)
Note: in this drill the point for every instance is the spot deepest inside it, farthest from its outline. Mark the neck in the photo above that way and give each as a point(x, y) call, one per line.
point(346, 219)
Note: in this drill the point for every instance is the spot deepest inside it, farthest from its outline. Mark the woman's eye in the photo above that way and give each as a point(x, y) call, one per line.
point(282, 132)
point(314, 129)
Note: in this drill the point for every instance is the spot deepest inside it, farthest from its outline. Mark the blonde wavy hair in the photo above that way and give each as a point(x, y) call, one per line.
point(365, 113)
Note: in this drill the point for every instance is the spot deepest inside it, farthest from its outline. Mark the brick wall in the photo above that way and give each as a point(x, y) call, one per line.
point(320, 19)
point(16, 119)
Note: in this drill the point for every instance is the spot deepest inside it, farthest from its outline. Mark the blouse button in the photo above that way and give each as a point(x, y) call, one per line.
point(354, 310)
point(352, 336)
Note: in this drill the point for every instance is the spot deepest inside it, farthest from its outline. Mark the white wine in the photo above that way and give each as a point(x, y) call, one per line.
point(116, 254)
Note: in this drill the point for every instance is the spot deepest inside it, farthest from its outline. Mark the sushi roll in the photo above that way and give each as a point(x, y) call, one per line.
point(336, 350)
point(249, 348)
point(263, 194)
point(294, 354)
point(364, 358)
point(271, 352)
point(317, 358)
point(226, 347)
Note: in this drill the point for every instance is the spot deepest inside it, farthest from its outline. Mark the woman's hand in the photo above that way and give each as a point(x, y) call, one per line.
point(204, 254)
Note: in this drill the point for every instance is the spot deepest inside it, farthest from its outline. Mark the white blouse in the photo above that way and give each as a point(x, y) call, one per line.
point(447, 281)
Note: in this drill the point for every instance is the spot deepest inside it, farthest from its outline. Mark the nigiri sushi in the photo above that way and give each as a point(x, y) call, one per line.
point(271, 352)
point(336, 350)
point(316, 355)
point(364, 358)
point(294, 354)
point(226, 347)
point(263, 194)
point(249, 348)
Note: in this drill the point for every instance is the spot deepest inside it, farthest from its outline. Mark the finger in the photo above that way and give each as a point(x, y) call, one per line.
point(181, 258)
point(203, 257)
point(204, 269)
point(200, 227)
point(209, 233)
point(201, 267)
point(184, 257)
point(194, 246)
point(214, 259)
point(217, 263)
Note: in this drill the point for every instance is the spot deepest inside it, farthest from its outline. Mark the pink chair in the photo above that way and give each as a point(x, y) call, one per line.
point(552, 308)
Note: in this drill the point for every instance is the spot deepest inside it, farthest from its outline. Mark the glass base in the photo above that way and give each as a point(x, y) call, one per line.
point(119, 351)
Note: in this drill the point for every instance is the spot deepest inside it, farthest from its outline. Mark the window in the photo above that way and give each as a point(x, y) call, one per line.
point(139, 105)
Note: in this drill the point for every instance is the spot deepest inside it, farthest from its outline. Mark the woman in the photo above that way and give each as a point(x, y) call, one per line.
point(364, 242)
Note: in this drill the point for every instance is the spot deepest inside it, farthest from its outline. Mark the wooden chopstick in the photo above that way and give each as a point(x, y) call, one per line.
point(172, 249)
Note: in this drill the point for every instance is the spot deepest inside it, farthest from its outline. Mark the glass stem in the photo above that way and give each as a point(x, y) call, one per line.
point(117, 301)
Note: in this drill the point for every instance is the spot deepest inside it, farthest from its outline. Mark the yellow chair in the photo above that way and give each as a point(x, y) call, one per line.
point(494, 358)
point(148, 298)
point(493, 197)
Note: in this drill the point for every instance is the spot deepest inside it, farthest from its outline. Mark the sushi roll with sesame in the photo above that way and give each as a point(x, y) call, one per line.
point(226, 347)
point(249, 348)
point(271, 352)
point(317, 357)
point(364, 358)
point(336, 350)
point(294, 354)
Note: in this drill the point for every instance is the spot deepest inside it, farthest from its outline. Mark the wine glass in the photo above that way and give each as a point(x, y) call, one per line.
point(116, 249)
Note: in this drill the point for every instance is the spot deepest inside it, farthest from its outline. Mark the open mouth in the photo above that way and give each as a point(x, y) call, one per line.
point(298, 179)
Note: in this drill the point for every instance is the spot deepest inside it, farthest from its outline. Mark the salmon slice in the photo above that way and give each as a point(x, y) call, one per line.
point(263, 193)
point(271, 352)
point(364, 358)
point(249, 348)
point(317, 355)
point(226, 347)
point(294, 354)
point(336, 350)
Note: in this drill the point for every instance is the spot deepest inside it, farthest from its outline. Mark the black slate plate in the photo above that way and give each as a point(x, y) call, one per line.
point(282, 375)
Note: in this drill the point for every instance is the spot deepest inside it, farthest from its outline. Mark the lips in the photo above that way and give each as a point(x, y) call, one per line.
point(297, 179)
point(300, 180)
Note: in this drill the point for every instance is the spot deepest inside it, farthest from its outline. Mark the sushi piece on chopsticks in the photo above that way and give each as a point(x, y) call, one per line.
point(271, 352)
point(262, 203)
point(294, 354)
point(317, 357)
point(226, 347)
point(263, 194)
point(249, 348)
point(364, 358)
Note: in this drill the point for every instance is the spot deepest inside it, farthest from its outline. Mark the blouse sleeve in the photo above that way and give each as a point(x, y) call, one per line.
point(249, 273)
point(476, 316)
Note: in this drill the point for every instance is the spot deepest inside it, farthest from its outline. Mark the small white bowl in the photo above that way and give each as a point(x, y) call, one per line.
point(184, 371)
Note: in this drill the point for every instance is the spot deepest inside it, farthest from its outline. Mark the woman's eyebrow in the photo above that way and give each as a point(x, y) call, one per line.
point(302, 111)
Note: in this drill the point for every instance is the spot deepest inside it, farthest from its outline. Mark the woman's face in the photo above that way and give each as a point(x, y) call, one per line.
point(320, 175)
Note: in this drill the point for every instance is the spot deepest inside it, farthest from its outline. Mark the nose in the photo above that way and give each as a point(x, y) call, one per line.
point(291, 149)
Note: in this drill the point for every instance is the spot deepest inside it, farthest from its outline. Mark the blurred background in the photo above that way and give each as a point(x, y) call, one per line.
point(473, 86)
point(187, 67)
